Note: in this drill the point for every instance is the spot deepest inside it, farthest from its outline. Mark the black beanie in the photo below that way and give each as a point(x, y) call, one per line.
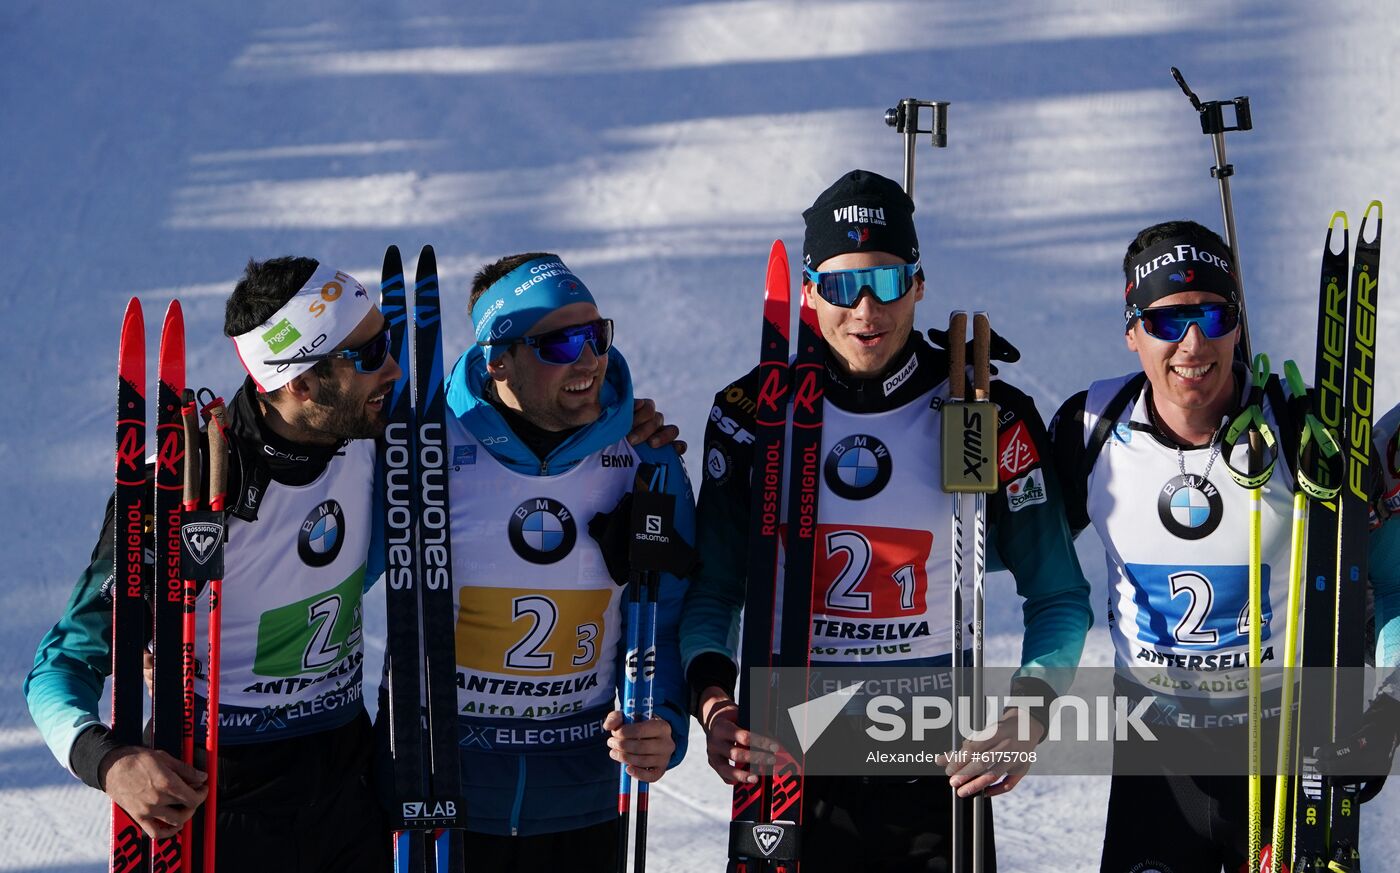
point(861, 212)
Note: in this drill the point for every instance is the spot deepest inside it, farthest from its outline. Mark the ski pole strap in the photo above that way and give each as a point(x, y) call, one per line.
point(1317, 446)
point(1251, 422)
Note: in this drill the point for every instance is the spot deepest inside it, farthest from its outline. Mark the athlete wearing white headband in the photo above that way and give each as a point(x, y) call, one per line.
point(305, 330)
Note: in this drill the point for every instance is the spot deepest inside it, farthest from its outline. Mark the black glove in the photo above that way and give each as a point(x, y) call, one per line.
point(664, 549)
point(1370, 750)
point(1001, 349)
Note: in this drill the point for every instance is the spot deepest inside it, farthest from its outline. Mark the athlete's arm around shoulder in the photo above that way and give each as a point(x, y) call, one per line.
point(1033, 541)
point(710, 621)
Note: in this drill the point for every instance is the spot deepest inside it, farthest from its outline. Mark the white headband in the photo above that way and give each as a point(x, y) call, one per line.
point(319, 317)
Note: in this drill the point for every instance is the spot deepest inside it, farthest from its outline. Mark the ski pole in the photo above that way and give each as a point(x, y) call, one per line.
point(904, 118)
point(190, 415)
point(981, 380)
point(952, 463)
point(653, 514)
point(218, 481)
point(629, 711)
point(651, 594)
point(1251, 424)
point(1324, 444)
point(1213, 125)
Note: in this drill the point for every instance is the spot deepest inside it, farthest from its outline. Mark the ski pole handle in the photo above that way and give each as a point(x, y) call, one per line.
point(981, 357)
point(957, 356)
point(218, 452)
point(191, 421)
point(1319, 452)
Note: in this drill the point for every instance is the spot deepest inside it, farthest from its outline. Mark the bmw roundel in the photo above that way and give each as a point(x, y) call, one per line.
point(322, 534)
point(542, 530)
point(1189, 506)
point(858, 467)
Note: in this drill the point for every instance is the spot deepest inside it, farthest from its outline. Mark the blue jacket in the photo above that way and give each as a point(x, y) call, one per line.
point(548, 791)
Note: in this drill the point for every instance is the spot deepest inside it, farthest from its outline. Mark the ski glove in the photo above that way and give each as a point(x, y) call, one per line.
point(1370, 749)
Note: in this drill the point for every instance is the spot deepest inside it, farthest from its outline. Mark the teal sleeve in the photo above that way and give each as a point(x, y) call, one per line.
point(710, 623)
point(1385, 585)
point(74, 658)
point(1033, 541)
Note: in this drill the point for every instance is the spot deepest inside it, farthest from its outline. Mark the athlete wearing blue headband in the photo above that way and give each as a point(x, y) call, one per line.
point(540, 409)
point(513, 304)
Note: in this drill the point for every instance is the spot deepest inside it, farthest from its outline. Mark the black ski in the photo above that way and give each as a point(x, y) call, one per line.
point(751, 837)
point(799, 546)
point(1349, 655)
point(168, 592)
point(1314, 693)
point(1327, 813)
point(402, 653)
point(435, 565)
point(129, 845)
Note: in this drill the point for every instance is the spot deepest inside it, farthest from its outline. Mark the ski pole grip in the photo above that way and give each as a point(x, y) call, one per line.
point(191, 422)
point(981, 356)
point(218, 453)
point(957, 355)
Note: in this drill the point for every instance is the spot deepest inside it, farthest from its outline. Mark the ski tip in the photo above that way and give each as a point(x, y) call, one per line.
point(131, 351)
point(132, 317)
point(427, 265)
point(172, 334)
point(1373, 206)
point(779, 279)
point(1339, 215)
point(393, 262)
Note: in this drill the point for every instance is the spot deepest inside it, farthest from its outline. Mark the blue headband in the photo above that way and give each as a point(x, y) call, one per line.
point(518, 300)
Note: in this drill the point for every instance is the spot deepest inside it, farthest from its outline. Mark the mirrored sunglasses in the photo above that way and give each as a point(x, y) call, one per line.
point(844, 287)
point(1170, 323)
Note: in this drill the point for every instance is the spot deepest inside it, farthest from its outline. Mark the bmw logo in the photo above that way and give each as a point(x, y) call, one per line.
point(542, 530)
point(1189, 506)
point(322, 534)
point(858, 467)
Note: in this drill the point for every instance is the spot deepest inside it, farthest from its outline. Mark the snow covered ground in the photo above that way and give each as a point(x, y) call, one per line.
point(153, 148)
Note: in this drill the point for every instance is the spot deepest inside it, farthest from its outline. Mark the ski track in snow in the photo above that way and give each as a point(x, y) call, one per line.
point(659, 151)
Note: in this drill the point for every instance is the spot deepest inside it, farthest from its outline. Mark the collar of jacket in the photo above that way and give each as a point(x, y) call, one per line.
point(466, 399)
point(259, 456)
point(914, 370)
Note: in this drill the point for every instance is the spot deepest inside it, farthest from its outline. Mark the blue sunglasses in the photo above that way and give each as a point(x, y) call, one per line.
point(367, 358)
point(1170, 323)
point(565, 345)
point(844, 287)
